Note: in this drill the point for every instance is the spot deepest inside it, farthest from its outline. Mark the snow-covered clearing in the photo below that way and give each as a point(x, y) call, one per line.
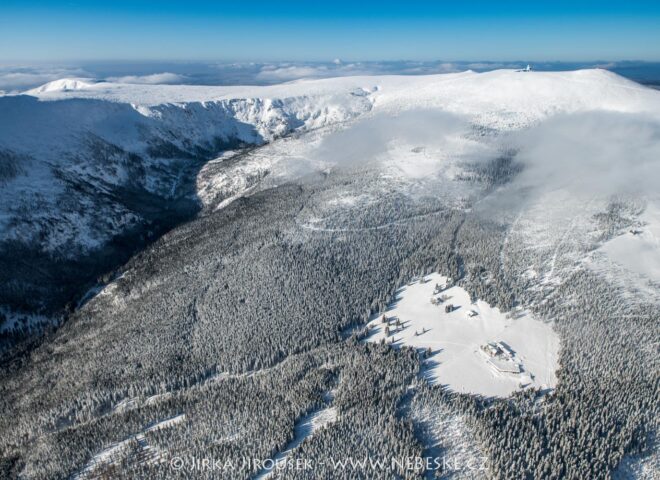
point(456, 338)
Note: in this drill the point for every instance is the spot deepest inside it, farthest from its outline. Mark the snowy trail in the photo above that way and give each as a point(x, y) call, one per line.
point(505, 244)
point(304, 428)
point(114, 452)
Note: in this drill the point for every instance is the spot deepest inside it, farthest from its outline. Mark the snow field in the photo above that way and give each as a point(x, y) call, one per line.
point(455, 339)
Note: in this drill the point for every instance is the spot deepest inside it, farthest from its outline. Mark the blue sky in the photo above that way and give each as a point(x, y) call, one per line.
point(195, 30)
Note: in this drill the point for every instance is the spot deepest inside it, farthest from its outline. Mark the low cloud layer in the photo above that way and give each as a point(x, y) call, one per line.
point(369, 139)
point(275, 73)
point(591, 154)
point(594, 153)
point(153, 79)
point(16, 78)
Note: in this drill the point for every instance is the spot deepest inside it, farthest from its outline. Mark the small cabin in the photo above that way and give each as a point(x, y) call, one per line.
point(505, 349)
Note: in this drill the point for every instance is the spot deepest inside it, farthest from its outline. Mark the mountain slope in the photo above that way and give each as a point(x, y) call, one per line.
point(86, 181)
point(283, 220)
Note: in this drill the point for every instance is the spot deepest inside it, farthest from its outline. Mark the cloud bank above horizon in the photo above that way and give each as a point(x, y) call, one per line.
point(19, 78)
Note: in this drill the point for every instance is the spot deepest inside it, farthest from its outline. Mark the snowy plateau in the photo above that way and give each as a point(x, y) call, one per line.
point(463, 265)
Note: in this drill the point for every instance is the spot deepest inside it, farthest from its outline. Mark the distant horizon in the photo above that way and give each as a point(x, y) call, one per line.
point(15, 78)
point(228, 60)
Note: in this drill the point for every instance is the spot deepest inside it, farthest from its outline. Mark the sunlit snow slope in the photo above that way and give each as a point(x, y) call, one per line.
point(113, 135)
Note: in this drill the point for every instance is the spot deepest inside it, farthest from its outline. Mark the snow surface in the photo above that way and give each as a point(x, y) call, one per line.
point(636, 467)
point(455, 340)
point(503, 97)
point(51, 127)
point(639, 252)
point(449, 436)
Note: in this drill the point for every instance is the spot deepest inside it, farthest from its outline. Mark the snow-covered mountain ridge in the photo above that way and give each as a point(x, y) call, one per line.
point(87, 180)
point(109, 144)
point(61, 85)
point(527, 93)
point(84, 163)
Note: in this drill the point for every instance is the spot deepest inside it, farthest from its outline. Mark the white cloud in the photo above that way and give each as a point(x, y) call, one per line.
point(17, 78)
point(153, 79)
point(594, 153)
point(370, 139)
point(274, 73)
point(292, 72)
